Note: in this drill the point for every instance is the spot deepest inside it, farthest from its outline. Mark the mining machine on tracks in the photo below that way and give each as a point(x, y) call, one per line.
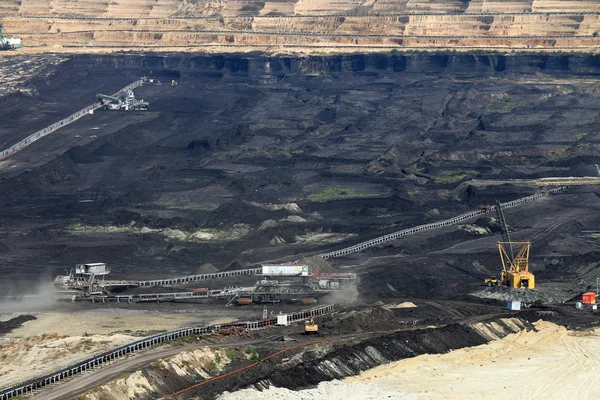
point(310, 328)
point(515, 266)
point(9, 43)
point(126, 103)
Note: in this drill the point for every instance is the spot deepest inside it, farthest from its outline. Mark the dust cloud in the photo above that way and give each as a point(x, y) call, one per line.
point(349, 296)
point(43, 297)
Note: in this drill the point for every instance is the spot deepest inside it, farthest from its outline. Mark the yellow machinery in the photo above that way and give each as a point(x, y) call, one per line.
point(310, 327)
point(492, 281)
point(515, 267)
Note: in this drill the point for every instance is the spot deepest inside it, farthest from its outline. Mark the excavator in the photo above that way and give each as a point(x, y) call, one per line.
point(492, 281)
point(9, 43)
point(515, 265)
point(310, 327)
point(127, 103)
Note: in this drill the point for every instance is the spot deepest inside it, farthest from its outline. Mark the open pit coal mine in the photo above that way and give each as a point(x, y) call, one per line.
point(243, 160)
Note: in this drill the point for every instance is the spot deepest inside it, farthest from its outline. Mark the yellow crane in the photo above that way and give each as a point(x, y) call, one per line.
point(515, 267)
point(515, 270)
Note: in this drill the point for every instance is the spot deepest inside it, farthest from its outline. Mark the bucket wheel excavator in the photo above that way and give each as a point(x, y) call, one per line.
point(514, 257)
point(7, 43)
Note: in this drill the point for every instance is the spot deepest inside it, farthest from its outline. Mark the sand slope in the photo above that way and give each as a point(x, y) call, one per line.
point(550, 364)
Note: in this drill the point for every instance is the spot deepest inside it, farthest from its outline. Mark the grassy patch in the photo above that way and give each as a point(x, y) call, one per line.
point(447, 177)
point(251, 353)
point(212, 368)
point(413, 193)
point(336, 193)
point(74, 227)
point(171, 204)
point(230, 353)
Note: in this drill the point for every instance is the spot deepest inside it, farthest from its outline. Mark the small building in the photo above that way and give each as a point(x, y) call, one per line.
point(96, 269)
point(588, 298)
point(513, 305)
point(284, 270)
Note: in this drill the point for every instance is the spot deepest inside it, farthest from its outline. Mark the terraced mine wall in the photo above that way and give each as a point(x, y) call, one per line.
point(179, 8)
point(339, 359)
point(177, 66)
point(315, 26)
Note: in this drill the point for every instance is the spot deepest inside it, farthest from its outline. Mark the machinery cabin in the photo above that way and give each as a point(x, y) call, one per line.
point(492, 281)
point(515, 270)
point(9, 43)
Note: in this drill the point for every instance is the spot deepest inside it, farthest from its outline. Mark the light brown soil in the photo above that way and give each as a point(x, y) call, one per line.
point(553, 363)
point(305, 26)
point(58, 339)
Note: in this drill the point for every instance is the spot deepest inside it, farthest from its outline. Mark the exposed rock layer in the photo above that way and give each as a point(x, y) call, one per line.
point(303, 25)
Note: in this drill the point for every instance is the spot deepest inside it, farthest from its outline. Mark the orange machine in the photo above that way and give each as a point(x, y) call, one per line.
point(588, 298)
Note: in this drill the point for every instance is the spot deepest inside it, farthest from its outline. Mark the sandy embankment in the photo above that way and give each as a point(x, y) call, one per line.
point(55, 340)
point(553, 363)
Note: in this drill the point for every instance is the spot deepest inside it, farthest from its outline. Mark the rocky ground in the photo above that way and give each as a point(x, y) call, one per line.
point(254, 159)
point(250, 160)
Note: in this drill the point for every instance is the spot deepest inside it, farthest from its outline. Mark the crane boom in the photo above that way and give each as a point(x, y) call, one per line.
point(515, 268)
point(3, 44)
point(504, 229)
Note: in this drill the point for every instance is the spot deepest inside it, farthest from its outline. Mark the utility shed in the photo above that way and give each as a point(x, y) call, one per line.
point(91, 268)
point(513, 305)
point(284, 270)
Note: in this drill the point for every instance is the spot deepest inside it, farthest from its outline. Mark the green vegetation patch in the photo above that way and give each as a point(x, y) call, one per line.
point(74, 227)
point(252, 354)
point(171, 204)
point(212, 368)
point(336, 193)
point(230, 353)
point(447, 177)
